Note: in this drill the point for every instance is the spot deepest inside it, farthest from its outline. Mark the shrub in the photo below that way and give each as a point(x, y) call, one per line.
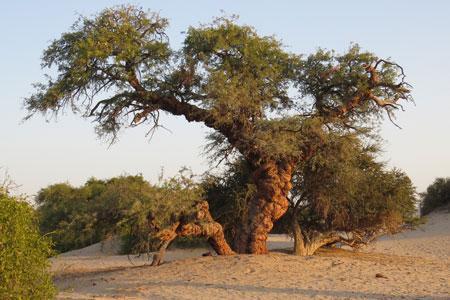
point(142, 220)
point(124, 206)
point(437, 195)
point(23, 252)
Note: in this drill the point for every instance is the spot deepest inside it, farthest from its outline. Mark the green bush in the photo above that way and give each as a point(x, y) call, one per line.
point(437, 195)
point(126, 206)
point(163, 204)
point(23, 252)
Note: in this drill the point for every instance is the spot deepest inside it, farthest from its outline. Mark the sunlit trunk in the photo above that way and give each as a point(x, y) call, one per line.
point(198, 223)
point(273, 183)
point(304, 245)
point(299, 243)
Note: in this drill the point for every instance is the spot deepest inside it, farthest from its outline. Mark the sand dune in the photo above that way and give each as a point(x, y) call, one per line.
point(431, 240)
point(410, 265)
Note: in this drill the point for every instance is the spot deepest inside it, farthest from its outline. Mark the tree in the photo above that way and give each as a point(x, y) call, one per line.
point(341, 194)
point(174, 209)
point(437, 195)
point(24, 267)
point(228, 195)
point(117, 68)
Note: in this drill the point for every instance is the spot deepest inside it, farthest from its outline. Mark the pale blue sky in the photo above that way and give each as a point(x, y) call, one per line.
point(414, 33)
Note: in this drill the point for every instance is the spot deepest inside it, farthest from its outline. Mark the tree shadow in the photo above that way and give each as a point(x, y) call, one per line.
point(293, 291)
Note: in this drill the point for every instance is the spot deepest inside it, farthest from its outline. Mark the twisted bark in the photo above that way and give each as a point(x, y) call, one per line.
point(306, 244)
point(273, 183)
point(197, 223)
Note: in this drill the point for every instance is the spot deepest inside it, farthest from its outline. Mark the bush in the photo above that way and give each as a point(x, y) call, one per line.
point(142, 220)
point(437, 195)
point(127, 206)
point(23, 252)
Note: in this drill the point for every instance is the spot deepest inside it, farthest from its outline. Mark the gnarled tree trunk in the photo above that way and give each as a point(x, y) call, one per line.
point(305, 246)
point(198, 223)
point(273, 183)
point(305, 243)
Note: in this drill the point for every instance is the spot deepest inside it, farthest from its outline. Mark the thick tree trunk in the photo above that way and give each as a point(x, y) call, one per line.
point(273, 183)
point(198, 223)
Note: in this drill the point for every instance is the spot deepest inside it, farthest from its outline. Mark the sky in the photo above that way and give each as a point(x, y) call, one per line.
point(38, 152)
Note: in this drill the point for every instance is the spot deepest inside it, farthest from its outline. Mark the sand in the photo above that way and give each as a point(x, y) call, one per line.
point(409, 265)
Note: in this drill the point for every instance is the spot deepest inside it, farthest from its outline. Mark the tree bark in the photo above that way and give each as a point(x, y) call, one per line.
point(167, 236)
point(299, 243)
point(306, 246)
point(273, 183)
point(197, 223)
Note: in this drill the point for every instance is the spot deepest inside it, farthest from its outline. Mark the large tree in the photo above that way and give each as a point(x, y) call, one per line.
point(341, 194)
point(261, 100)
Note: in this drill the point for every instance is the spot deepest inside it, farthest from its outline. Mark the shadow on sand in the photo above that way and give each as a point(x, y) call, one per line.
point(294, 292)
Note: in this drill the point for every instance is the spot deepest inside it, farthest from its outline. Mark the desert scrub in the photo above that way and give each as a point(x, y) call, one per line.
point(23, 252)
point(437, 195)
point(127, 206)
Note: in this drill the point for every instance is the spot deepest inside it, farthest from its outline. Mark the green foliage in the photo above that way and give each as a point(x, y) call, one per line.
point(340, 82)
point(170, 198)
point(191, 242)
point(24, 266)
point(343, 188)
point(437, 195)
point(245, 72)
point(245, 86)
point(262, 101)
point(126, 206)
point(228, 195)
point(340, 188)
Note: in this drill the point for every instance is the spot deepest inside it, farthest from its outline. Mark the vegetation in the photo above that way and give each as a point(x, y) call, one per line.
point(259, 99)
point(23, 252)
point(340, 195)
point(437, 195)
point(125, 206)
point(78, 217)
point(228, 195)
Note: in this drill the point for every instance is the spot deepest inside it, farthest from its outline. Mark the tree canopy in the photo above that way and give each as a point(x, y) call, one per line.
point(343, 195)
point(226, 76)
point(127, 206)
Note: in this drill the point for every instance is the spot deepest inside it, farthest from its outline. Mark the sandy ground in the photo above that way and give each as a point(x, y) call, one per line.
point(412, 265)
